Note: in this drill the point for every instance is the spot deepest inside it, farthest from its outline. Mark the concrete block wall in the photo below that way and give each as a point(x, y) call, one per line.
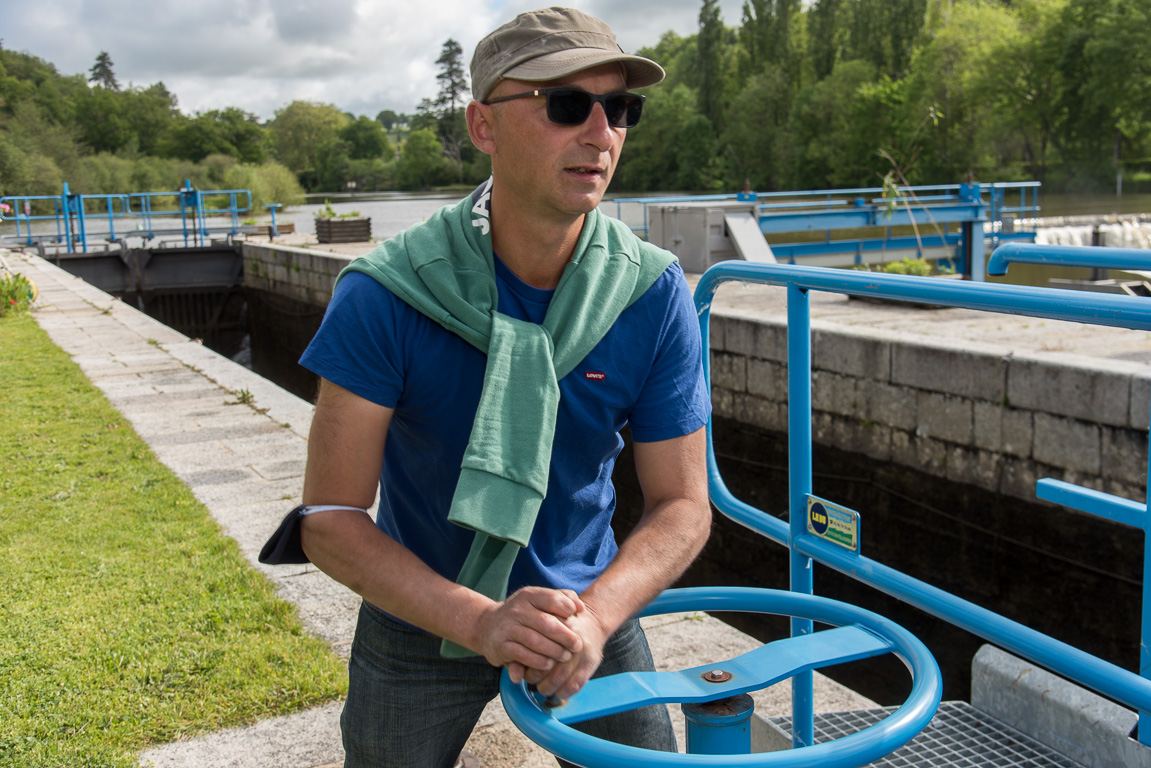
point(964, 411)
point(297, 273)
point(1069, 719)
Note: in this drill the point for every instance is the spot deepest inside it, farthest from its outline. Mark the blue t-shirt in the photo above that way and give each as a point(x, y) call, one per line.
point(647, 372)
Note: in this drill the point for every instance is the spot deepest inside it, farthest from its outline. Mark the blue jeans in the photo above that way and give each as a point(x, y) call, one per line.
point(408, 707)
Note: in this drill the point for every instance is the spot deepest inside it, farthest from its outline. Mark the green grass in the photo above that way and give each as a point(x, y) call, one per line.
point(127, 618)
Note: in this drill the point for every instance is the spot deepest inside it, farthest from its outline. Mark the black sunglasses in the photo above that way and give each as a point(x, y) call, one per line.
point(571, 106)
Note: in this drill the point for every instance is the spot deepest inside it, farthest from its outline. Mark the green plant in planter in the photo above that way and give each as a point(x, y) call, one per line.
point(16, 294)
point(328, 212)
point(917, 267)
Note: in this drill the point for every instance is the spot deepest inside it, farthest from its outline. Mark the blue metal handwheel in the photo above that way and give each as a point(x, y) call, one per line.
point(858, 634)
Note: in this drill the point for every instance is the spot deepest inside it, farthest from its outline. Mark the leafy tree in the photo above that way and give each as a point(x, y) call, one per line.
point(753, 140)
point(768, 35)
point(825, 32)
point(299, 130)
point(879, 119)
point(101, 73)
point(33, 130)
point(196, 138)
point(1026, 89)
point(453, 82)
point(333, 162)
point(150, 113)
point(27, 78)
point(678, 56)
point(366, 139)
point(14, 175)
point(427, 117)
point(884, 32)
point(242, 132)
point(101, 120)
point(389, 119)
point(420, 164)
point(373, 173)
point(697, 167)
point(962, 131)
point(710, 43)
point(1118, 86)
point(452, 96)
point(821, 127)
point(673, 148)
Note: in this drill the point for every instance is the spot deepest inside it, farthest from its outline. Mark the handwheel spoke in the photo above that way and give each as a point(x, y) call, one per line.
point(765, 666)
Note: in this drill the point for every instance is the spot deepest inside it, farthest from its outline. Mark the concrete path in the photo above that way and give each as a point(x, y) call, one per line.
point(239, 442)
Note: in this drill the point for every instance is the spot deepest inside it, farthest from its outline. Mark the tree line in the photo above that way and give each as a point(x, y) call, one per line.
point(797, 95)
point(104, 138)
point(847, 93)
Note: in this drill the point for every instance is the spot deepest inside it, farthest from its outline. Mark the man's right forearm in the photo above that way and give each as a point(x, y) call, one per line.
point(348, 546)
point(527, 628)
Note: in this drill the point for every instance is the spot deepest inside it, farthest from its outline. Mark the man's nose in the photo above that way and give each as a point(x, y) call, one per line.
point(597, 129)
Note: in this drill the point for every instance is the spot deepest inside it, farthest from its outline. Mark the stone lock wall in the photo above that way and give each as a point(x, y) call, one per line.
point(296, 273)
point(970, 413)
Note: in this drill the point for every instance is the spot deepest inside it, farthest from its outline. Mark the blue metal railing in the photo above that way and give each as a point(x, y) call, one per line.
point(805, 547)
point(969, 207)
point(137, 211)
point(1067, 256)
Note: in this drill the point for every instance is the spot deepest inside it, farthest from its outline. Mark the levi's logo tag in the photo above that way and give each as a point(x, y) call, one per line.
point(594, 375)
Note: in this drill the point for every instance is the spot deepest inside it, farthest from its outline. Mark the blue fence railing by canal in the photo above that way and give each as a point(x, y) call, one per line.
point(186, 213)
point(958, 222)
point(803, 538)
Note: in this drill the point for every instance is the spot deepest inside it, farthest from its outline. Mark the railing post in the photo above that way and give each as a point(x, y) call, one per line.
point(799, 486)
point(974, 243)
point(272, 207)
point(83, 222)
point(111, 223)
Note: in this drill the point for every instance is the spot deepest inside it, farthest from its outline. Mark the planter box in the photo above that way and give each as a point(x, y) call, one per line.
point(344, 230)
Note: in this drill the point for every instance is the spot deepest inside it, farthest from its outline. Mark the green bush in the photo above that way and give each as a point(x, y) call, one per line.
point(268, 182)
point(16, 294)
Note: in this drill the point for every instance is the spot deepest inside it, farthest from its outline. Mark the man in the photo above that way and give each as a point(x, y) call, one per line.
point(447, 356)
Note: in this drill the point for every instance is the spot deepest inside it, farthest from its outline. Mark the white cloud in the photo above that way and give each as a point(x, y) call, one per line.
point(260, 55)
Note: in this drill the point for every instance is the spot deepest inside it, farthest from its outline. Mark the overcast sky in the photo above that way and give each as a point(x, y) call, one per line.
point(259, 55)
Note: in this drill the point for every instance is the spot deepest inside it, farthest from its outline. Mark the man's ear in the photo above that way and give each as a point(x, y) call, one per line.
point(480, 127)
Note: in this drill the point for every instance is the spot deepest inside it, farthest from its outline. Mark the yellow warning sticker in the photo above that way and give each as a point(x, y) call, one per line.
point(833, 523)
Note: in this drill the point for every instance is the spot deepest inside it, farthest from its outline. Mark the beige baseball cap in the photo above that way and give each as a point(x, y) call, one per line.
point(549, 44)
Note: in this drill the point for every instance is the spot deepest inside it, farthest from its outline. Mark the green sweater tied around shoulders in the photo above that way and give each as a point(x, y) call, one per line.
point(444, 268)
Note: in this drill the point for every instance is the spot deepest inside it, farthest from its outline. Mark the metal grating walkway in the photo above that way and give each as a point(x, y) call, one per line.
point(959, 736)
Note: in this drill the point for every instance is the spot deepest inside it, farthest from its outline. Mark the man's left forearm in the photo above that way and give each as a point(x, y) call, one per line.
point(656, 553)
point(674, 527)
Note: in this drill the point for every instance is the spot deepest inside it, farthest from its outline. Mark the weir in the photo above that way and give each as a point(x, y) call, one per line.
point(957, 223)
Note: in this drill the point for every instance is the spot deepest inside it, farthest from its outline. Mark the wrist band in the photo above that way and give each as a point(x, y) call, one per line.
point(314, 508)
